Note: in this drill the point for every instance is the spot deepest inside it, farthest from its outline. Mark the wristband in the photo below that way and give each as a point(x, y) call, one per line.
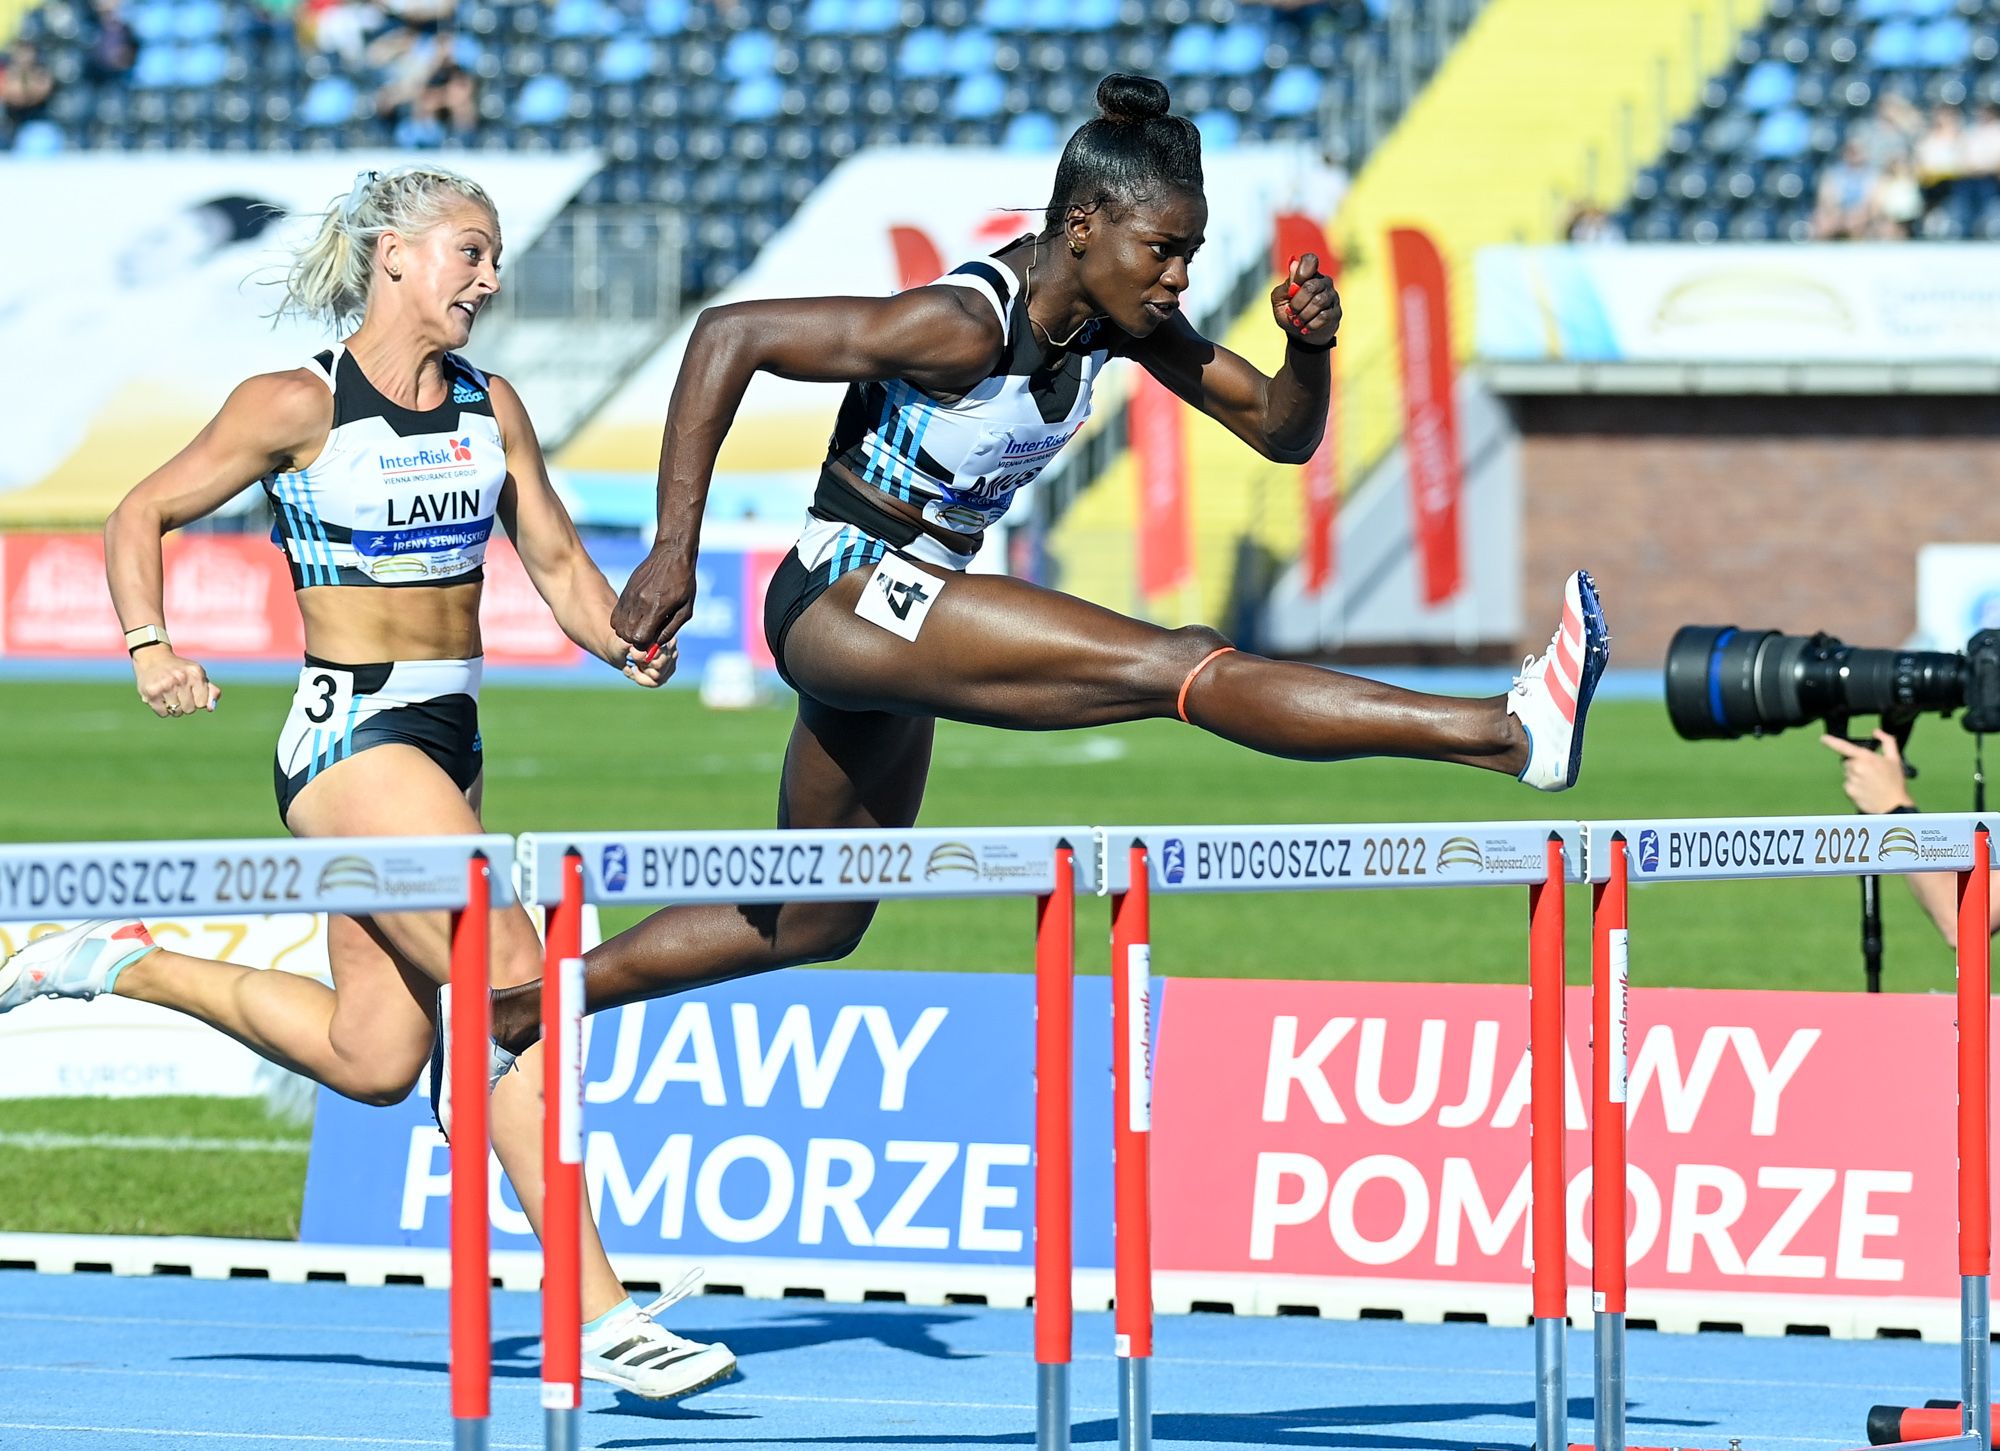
point(139, 638)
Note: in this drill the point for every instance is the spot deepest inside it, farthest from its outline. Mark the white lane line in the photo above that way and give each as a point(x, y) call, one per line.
point(179, 1433)
point(320, 1327)
point(162, 1142)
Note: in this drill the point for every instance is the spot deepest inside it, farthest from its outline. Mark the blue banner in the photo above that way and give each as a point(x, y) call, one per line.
point(823, 1114)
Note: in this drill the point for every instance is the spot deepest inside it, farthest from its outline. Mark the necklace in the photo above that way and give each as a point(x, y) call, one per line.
point(1028, 296)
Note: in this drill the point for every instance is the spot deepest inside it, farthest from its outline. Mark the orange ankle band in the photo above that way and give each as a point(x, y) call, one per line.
point(1180, 706)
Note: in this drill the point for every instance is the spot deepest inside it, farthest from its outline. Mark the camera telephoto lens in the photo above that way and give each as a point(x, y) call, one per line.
point(1724, 682)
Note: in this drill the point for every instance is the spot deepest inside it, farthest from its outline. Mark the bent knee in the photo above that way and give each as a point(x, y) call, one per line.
point(379, 1090)
point(827, 934)
point(1176, 658)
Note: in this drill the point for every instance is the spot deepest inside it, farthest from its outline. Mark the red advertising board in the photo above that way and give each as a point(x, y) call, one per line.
point(227, 597)
point(1158, 432)
point(1796, 1143)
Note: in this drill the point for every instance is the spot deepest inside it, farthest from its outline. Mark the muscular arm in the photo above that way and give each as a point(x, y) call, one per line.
point(1282, 417)
point(268, 423)
point(563, 572)
point(944, 337)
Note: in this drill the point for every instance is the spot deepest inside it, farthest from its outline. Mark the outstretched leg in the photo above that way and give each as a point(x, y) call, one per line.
point(842, 769)
point(998, 651)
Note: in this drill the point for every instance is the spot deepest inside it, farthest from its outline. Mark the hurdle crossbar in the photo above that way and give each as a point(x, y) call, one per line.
point(1140, 861)
point(350, 876)
point(746, 868)
point(1708, 849)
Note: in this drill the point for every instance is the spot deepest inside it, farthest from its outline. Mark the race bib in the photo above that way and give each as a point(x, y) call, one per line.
point(898, 596)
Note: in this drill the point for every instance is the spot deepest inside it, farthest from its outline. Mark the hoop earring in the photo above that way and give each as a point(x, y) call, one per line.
point(1075, 247)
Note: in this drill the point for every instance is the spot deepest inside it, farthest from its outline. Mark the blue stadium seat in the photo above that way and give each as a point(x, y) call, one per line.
point(1945, 43)
point(978, 98)
point(198, 20)
point(1090, 16)
point(1768, 85)
point(1893, 46)
point(201, 66)
point(38, 138)
point(625, 59)
point(543, 101)
point(582, 19)
point(1881, 9)
point(1032, 131)
point(923, 54)
point(1219, 130)
point(152, 22)
point(1294, 91)
point(1782, 135)
point(750, 53)
point(1004, 16)
point(756, 98)
point(1239, 50)
point(667, 17)
point(330, 102)
point(972, 52)
point(157, 66)
point(1191, 50)
point(1046, 15)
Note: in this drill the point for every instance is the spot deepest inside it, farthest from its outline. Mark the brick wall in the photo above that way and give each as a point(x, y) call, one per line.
point(1793, 514)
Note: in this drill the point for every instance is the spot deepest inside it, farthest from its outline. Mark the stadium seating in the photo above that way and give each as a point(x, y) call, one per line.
point(674, 91)
point(1745, 165)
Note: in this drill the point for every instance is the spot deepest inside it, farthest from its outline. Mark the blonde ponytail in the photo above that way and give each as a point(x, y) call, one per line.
point(331, 273)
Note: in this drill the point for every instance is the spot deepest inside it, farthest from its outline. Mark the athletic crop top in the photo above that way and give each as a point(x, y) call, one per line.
point(397, 496)
point(962, 459)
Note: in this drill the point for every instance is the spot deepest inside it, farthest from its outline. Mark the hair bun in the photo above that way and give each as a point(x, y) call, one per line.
point(1123, 98)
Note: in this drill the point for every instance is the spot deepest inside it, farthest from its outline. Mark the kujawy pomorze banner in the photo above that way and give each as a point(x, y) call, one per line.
point(1797, 1143)
point(829, 1114)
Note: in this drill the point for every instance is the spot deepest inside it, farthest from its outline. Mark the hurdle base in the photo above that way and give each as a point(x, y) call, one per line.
point(559, 1429)
point(468, 1433)
point(1902, 1425)
point(1135, 1404)
point(1051, 1407)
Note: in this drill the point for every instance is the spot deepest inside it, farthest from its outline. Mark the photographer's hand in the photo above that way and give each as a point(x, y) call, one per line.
point(1873, 780)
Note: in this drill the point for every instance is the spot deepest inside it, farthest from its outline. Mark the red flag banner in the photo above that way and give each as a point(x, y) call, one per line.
point(1294, 234)
point(1159, 451)
point(1430, 418)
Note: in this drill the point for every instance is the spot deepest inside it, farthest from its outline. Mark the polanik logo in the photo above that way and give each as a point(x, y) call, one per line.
point(1173, 859)
point(614, 868)
point(1461, 851)
point(1649, 850)
point(349, 874)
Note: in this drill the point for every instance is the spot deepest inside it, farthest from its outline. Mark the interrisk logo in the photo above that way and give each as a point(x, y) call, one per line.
point(1460, 851)
point(1649, 850)
point(1898, 841)
point(951, 859)
point(461, 449)
point(613, 867)
point(349, 874)
point(1173, 859)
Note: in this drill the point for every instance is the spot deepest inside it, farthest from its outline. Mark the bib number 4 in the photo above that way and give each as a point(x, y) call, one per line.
point(898, 596)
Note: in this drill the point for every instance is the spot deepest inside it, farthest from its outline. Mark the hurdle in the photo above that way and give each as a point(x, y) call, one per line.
point(1541, 856)
point(758, 868)
point(1707, 849)
point(349, 876)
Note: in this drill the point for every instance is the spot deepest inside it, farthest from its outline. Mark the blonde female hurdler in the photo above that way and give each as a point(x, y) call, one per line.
point(387, 459)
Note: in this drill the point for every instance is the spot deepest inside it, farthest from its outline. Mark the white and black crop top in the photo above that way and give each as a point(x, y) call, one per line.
point(398, 496)
point(962, 459)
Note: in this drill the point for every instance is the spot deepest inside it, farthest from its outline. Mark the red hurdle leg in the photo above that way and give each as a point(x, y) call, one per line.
point(562, 1163)
point(1609, 1008)
point(1545, 1131)
point(471, 1279)
point(1132, 1136)
point(1055, 975)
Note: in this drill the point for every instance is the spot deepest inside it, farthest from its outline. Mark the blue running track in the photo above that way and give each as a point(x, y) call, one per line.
point(148, 1364)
